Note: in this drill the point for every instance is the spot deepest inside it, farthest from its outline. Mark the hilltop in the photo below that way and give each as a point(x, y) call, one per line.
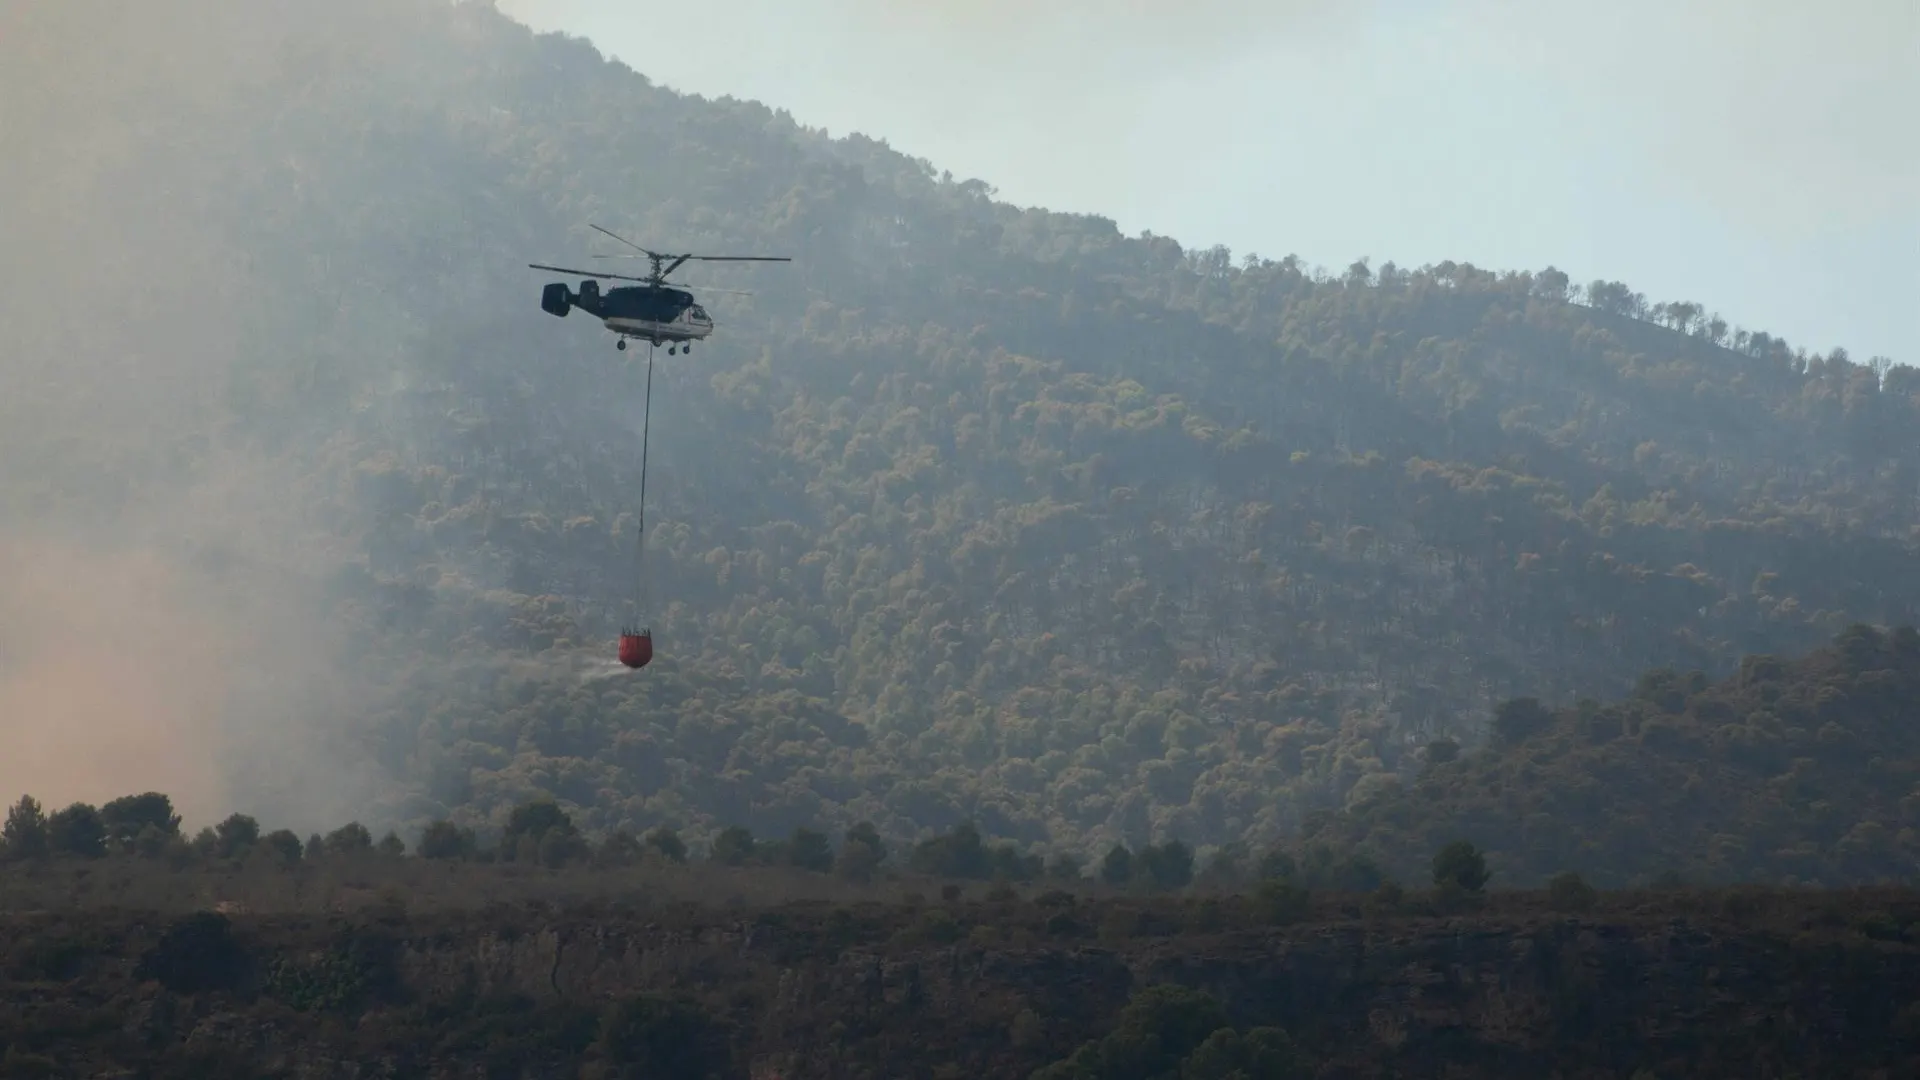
point(973, 512)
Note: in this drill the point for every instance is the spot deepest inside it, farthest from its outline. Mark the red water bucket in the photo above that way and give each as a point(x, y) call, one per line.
point(636, 649)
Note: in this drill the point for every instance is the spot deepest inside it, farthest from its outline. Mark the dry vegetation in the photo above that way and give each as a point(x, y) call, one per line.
point(416, 885)
point(434, 968)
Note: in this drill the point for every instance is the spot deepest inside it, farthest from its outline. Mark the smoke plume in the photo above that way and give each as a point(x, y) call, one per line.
point(160, 623)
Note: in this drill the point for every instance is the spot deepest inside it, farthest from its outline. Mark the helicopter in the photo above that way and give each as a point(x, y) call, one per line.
point(653, 311)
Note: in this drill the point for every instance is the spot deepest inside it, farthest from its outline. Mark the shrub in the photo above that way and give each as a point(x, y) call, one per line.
point(196, 954)
point(1280, 902)
point(1570, 892)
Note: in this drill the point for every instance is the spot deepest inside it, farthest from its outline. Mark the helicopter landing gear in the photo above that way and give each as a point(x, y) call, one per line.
point(621, 344)
point(671, 349)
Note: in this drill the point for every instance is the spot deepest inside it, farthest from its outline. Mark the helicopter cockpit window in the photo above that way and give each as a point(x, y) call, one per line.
point(699, 312)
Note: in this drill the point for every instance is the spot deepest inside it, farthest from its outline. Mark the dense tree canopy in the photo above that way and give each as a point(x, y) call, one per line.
point(974, 512)
point(1802, 771)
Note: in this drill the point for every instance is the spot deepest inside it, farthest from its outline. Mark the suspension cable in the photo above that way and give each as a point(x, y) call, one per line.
point(640, 533)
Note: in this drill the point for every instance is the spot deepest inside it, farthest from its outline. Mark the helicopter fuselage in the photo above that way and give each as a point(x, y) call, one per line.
point(656, 314)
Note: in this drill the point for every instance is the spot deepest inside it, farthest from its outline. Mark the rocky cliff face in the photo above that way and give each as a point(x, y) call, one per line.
point(971, 990)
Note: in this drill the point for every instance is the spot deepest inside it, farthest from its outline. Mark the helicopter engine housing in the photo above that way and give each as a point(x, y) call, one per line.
point(555, 301)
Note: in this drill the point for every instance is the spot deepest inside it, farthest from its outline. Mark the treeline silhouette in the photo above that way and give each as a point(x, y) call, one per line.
point(541, 834)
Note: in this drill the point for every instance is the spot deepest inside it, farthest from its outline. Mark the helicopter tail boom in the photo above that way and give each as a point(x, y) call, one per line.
point(556, 299)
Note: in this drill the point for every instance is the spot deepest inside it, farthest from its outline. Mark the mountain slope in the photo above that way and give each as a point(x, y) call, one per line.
point(972, 511)
point(1806, 769)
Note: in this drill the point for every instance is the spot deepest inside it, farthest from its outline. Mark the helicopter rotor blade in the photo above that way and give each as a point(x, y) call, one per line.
point(623, 240)
point(586, 273)
point(706, 258)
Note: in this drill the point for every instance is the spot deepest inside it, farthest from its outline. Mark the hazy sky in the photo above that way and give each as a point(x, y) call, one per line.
point(1761, 157)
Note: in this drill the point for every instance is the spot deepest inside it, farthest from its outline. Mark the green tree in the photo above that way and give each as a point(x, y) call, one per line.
point(283, 843)
point(620, 848)
point(236, 836)
point(77, 830)
point(1168, 866)
point(857, 861)
point(961, 853)
point(541, 832)
point(349, 839)
point(1226, 865)
point(536, 819)
point(864, 833)
point(734, 846)
point(1278, 865)
point(1519, 719)
point(128, 816)
point(1264, 1052)
point(26, 829)
point(1155, 1033)
point(861, 853)
point(668, 843)
point(1460, 864)
point(810, 850)
point(444, 840)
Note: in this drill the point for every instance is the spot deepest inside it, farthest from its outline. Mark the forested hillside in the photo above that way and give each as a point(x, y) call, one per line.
point(1804, 771)
point(971, 512)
